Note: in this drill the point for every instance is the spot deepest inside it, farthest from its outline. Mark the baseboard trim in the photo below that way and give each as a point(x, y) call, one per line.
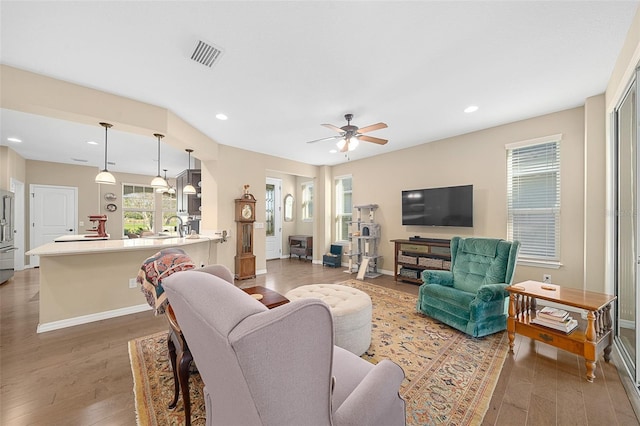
point(84, 319)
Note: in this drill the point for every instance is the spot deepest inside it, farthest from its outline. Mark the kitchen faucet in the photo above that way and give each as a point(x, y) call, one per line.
point(180, 227)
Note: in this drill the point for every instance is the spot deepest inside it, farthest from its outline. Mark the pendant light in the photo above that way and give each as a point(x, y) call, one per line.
point(169, 189)
point(189, 189)
point(104, 177)
point(158, 182)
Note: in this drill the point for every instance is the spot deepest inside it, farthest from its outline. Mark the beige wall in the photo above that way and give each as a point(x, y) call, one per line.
point(625, 66)
point(595, 206)
point(72, 286)
point(37, 94)
point(304, 227)
point(226, 178)
point(11, 166)
point(477, 158)
point(57, 174)
point(91, 199)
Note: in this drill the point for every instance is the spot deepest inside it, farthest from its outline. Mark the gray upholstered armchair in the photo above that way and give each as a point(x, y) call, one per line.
point(277, 367)
point(471, 297)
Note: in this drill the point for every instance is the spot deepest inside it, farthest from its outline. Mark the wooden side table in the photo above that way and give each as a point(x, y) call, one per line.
point(588, 343)
point(180, 355)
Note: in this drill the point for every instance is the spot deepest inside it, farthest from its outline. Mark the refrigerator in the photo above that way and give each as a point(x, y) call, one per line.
point(7, 225)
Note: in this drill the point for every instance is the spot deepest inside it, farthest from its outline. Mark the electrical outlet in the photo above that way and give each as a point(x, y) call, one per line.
point(81, 223)
point(132, 283)
point(546, 278)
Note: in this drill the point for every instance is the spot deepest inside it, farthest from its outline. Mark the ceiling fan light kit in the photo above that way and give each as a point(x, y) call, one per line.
point(350, 136)
point(348, 145)
point(105, 177)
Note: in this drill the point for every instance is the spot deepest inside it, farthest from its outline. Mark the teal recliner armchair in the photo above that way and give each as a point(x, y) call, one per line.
point(471, 297)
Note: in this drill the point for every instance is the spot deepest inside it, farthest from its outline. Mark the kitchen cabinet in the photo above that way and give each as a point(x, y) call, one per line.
point(189, 204)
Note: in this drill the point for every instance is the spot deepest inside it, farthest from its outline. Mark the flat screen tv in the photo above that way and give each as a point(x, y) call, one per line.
point(450, 206)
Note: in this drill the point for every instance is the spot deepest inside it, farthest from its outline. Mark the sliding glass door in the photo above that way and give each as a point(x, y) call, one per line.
point(626, 229)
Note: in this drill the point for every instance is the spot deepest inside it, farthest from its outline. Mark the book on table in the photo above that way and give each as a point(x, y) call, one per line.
point(553, 314)
point(566, 326)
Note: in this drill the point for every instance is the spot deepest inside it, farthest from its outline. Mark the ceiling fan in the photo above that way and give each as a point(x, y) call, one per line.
point(350, 135)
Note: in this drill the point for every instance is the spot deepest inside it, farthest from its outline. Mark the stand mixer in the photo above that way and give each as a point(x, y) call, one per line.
point(100, 227)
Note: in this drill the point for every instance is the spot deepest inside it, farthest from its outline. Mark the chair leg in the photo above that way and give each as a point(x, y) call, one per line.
point(183, 376)
point(176, 383)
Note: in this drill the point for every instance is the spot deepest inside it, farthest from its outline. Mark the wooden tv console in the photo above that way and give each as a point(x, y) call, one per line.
point(414, 256)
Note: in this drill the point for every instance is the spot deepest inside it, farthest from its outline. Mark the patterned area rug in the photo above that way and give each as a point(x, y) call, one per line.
point(450, 376)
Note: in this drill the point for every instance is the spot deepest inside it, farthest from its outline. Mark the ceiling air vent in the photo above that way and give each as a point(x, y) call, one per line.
point(206, 54)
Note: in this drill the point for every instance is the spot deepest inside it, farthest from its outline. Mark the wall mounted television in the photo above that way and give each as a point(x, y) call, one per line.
point(449, 206)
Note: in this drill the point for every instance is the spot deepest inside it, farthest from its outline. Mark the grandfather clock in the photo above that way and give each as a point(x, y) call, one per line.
point(245, 216)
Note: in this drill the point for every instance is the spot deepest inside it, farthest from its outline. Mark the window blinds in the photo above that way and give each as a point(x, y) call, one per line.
point(533, 197)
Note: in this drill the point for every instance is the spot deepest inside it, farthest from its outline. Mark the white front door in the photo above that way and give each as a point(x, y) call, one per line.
point(273, 226)
point(54, 212)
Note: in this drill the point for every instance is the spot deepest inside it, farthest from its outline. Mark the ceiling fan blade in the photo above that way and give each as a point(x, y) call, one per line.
point(332, 127)
point(372, 139)
point(330, 138)
point(372, 127)
point(345, 147)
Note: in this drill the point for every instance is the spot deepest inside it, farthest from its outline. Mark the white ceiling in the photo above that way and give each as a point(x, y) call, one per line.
point(287, 67)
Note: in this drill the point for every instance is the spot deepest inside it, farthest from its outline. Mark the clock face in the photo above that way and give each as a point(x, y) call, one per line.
point(246, 211)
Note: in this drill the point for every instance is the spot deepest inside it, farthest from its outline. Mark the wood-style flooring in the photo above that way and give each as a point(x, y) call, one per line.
point(81, 375)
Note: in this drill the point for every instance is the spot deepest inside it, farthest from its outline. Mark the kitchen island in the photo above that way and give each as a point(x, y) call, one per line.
point(85, 281)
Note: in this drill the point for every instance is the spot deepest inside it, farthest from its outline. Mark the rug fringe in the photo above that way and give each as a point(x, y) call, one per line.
point(142, 419)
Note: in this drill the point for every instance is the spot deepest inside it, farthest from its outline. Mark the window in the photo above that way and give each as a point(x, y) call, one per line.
point(307, 201)
point(169, 208)
point(533, 197)
point(138, 208)
point(343, 207)
point(270, 205)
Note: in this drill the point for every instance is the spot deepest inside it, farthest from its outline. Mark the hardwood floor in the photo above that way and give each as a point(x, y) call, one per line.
point(81, 375)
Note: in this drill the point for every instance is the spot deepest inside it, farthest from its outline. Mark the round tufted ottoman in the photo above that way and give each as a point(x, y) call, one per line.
point(351, 310)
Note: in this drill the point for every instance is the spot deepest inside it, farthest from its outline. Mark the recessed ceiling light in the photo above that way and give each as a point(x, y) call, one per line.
point(14, 140)
point(333, 151)
point(92, 142)
point(221, 117)
point(471, 108)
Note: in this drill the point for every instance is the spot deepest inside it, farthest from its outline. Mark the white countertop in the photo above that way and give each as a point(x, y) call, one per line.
point(103, 246)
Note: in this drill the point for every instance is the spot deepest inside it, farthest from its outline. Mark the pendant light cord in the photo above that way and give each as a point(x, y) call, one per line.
point(159, 155)
point(189, 167)
point(106, 130)
point(106, 136)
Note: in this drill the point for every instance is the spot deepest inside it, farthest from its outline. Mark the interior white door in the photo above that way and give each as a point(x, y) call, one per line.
point(54, 212)
point(273, 215)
